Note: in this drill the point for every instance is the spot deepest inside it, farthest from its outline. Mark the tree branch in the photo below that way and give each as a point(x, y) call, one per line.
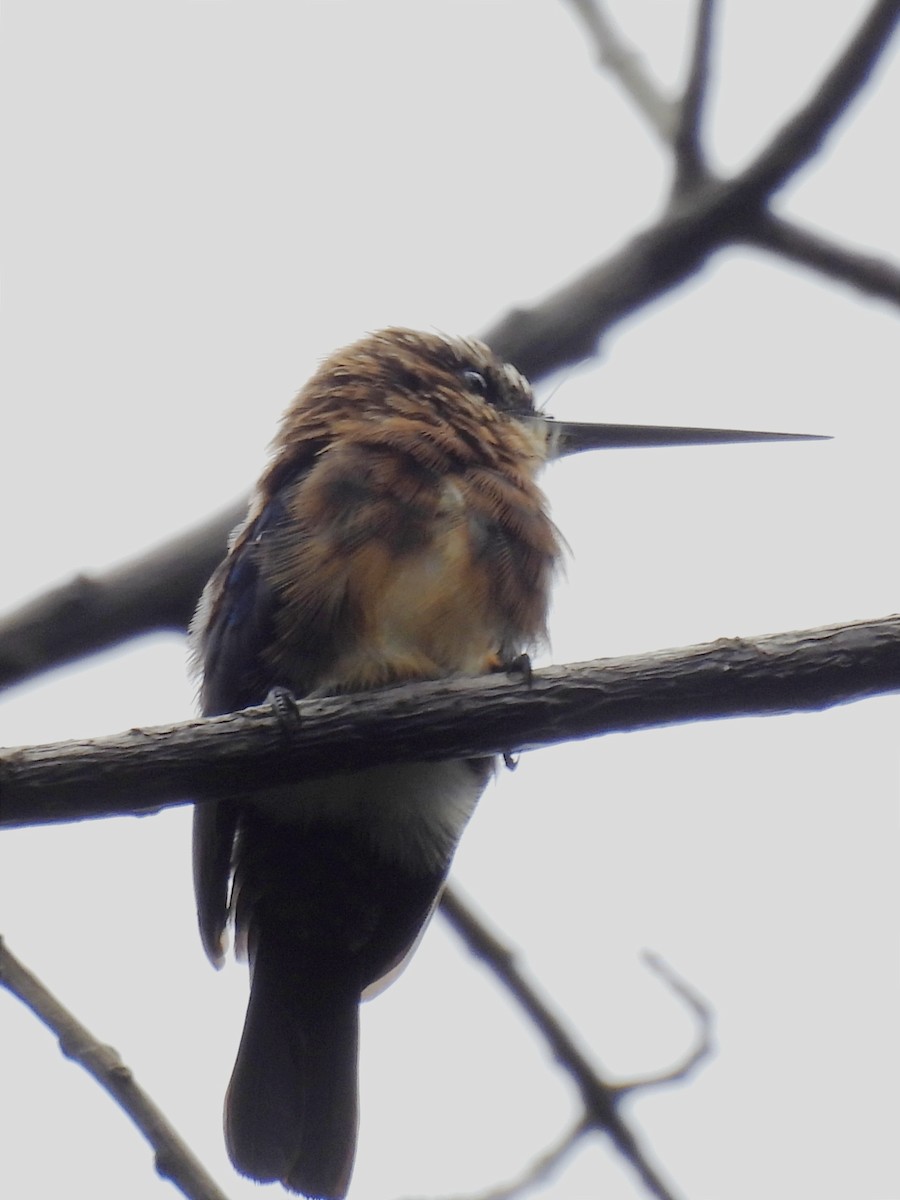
point(158, 590)
point(703, 1045)
point(803, 134)
point(566, 327)
point(174, 1160)
point(621, 60)
point(241, 753)
point(600, 1099)
point(865, 272)
point(537, 1172)
point(690, 161)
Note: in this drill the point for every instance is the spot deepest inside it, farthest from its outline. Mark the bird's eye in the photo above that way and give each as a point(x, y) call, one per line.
point(474, 381)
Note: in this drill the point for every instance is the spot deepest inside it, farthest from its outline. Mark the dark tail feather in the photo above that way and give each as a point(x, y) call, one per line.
point(291, 1107)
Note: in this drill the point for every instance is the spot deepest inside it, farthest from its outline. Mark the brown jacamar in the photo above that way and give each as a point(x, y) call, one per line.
point(398, 533)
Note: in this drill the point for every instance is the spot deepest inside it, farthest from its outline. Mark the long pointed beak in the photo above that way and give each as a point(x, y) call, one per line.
point(571, 437)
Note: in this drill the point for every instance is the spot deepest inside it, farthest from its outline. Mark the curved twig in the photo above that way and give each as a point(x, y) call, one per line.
point(600, 1099)
point(703, 1045)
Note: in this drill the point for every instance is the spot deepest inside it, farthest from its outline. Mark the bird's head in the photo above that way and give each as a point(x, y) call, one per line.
point(447, 401)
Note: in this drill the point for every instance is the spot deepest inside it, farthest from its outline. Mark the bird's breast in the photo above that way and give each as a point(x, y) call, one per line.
point(423, 602)
point(431, 606)
point(387, 569)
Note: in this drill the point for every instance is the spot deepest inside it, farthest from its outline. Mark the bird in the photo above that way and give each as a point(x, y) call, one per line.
point(398, 533)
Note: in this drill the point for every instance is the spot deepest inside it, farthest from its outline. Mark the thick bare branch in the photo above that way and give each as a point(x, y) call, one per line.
point(868, 274)
point(159, 590)
point(803, 134)
point(567, 325)
point(241, 753)
point(174, 1160)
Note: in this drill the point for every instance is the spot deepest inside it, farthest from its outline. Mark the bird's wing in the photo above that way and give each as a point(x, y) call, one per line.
point(233, 634)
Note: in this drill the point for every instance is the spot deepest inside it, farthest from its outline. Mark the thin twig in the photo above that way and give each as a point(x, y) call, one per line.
point(703, 1044)
point(600, 1098)
point(690, 161)
point(173, 1158)
point(867, 273)
point(538, 1172)
point(615, 55)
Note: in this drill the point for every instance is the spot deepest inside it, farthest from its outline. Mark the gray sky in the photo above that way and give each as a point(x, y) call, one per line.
point(204, 198)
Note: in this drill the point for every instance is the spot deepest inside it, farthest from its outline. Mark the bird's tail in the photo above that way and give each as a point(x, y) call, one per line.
point(291, 1109)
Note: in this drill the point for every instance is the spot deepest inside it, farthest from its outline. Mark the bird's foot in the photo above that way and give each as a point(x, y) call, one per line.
point(284, 705)
point(520, 665)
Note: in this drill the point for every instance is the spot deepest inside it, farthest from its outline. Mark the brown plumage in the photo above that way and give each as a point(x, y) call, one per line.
point(397, 533)
point(387, 464)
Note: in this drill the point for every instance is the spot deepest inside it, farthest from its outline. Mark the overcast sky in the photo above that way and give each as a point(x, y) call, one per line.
point(202, 200)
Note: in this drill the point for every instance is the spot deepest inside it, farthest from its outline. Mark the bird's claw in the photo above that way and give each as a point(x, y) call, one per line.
point(520, 665)
point(284, 705)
